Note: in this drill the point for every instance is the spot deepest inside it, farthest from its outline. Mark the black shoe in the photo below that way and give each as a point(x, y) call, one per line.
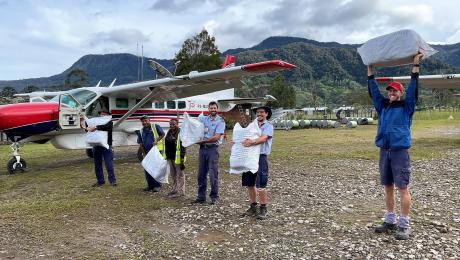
point(262, 213)
point(113, 184)
point(251, 212)
point(198, 201)
point(156, 189)
point(97, 184)
point(213, 202)
point(147, 189)
point(402, 233)
point(385, 228)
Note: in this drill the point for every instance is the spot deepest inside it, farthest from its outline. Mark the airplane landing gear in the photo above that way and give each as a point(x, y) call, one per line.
point(16, 163)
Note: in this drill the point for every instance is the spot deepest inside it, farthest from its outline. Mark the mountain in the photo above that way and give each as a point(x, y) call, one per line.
point(324, 61)
point(107, 67)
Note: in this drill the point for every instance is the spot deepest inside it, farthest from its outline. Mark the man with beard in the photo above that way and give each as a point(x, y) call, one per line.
point(257, 182)
point(209, 154)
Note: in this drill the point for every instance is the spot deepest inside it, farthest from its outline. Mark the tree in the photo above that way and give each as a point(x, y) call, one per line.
point(29, 89)
point(198, 54)
point(8, 92)
point(285, 95)
point(77, 78)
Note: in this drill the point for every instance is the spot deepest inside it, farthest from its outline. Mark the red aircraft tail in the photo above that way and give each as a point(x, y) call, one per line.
point(229, 61)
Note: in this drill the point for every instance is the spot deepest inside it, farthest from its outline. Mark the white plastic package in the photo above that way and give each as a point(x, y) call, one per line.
point(155, 165)
point(244, 159)
point(191, 131)
point(394, 49)
point(97, 138)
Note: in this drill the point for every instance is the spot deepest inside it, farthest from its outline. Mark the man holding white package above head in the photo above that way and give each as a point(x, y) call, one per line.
point(257, 182)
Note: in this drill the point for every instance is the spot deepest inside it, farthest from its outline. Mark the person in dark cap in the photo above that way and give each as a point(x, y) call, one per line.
point(256, 183)
point(393, 138)
point(150, 135)
point(101, 153)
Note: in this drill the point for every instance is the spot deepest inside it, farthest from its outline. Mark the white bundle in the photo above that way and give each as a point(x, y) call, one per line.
point(394, 49)
point(97, 138)
point(156, 165)
point(245, 159)
point(191, 131)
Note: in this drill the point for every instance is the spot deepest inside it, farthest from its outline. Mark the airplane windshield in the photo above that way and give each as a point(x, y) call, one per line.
point(83, 96)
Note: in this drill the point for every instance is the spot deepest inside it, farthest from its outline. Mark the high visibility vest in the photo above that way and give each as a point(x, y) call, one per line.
point(177, 160)
point(160, 144)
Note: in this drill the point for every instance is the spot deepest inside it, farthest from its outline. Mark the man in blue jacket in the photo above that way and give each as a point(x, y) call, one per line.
point(393, 138)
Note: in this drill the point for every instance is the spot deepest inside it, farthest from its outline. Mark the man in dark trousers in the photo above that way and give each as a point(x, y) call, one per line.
point(150, 135)
point(214, 127)
point(101, 153)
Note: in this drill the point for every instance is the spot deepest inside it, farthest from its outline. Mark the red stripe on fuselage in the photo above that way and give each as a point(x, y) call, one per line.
point(17, 115)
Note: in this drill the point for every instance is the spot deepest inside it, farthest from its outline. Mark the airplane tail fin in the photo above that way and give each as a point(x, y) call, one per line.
point(229, 61)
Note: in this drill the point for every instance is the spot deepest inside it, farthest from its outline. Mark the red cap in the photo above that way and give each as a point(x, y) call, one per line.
point(396, 85)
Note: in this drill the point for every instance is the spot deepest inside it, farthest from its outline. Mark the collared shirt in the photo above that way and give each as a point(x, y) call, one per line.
point(212, 127)
point(267, 129)
point(148, 137)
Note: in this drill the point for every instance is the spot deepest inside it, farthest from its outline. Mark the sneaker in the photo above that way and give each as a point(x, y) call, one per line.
point(251, 211)
point(402, 233)
point(97, 184)
point(385, 228)
point(198, 201)
point(262, 213)
point(156, 189)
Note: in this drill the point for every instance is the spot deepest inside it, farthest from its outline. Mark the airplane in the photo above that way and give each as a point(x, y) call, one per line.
point(58, 120)
point(442, 81)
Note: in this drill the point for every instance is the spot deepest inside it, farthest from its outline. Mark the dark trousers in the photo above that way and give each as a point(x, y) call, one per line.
point(209, 164)
point(101, 153)
point(151, 182)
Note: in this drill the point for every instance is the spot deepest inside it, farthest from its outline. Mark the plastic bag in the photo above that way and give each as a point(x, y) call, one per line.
point(191, 131)
point(245, 159)
point(97, 138)
point(155, 165)
point(394, 49)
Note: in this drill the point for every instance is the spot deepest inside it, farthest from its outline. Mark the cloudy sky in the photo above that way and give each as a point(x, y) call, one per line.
point(43, 38)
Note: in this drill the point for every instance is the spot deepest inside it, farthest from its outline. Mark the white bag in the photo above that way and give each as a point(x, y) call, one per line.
point(394, 49)
point(244, 159)
point(191, 131)
point(155, 165)
point(97, 138)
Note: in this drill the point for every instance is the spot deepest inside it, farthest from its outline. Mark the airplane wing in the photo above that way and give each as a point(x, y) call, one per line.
point(195, 83)
point(47, 94)
point(248, 100)
point(447, 81)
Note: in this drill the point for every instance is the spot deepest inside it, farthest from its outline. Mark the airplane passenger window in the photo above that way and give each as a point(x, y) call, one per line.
point(181, 105)
point(146, 105)
point(101, 104)
point(159, 105)
point(121, 102)
point(171, 104)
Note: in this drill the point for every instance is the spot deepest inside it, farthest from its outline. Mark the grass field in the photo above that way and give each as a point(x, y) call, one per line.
point(51, 211)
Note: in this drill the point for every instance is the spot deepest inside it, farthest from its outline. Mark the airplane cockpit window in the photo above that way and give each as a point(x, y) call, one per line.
point(181, 105)
point(101, 104)
point(171, 104)
point(83, 97)
point(159, 105)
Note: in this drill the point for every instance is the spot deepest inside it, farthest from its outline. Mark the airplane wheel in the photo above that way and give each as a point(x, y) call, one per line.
point(12, 166)
point(89, 153)
point(140, 154)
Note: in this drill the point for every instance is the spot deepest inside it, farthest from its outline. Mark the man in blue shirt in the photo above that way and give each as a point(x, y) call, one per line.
point(257, 182)
point(394, 140)
point(150, 135)
point(214, 127)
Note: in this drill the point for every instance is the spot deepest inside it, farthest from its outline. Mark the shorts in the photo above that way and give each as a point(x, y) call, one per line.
point(395, 167)
point(258, 179)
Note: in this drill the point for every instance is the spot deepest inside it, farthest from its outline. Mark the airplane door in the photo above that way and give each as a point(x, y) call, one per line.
point(70, 111)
